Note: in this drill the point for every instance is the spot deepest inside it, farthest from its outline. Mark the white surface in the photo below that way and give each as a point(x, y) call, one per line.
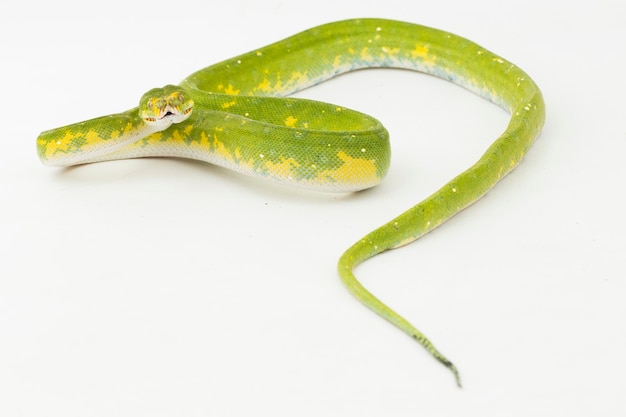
point(174, 288)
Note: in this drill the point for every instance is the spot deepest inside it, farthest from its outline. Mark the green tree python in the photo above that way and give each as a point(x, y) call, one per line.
point(236, 114)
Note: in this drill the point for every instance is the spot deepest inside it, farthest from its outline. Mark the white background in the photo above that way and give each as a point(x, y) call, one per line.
point(174, 288)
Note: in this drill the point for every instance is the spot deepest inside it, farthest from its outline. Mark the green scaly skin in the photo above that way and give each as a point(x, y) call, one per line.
point(235, 114)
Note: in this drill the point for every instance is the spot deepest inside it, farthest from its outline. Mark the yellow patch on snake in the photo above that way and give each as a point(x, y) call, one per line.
point(365, 55)
point(180, 136)
point(60, 145)
point(220, 150)
point(199, 145)
point(92, 138)
point(265, 86)
point(155, 137)
point(230, 90)
point(291, 121)
point(298, 78)
point(177, 136)
point(237, 159)
point(69, 136)
point(352, 171)
point(404, 242)
point(337, 61)
point(423, 52)
point(392, 52)
point(283, 168)
point(229, 104)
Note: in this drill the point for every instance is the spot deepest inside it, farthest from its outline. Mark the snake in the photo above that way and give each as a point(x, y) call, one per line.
point(238, 114)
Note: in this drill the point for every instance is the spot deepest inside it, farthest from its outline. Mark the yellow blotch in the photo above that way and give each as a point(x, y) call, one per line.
point(267, 87)
point(352, 171)
point(180, 135)
point(337, 61)
point(177, 136)
point(92, 137)
point(283, 168)
point(153, 138)
point(423, 52)
point(249, 164)
point(365, 54)
point(221, 150)
point(230, 90)
point(62, 145)
point(390, 51)
point(68, 137)
point(129, 126)
point(403, 242)
point(229, 104)
point(298, 77)
point(264, 86)
point(203, 143)
point(291, 121)
point(49, 150)
point(420, 51)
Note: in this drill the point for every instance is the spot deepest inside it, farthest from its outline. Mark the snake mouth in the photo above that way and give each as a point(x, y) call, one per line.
point(166, 118)
point(168, 115)
point(175, 113)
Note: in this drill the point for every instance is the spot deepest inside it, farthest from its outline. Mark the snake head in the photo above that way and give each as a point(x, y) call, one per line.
point(160, 107)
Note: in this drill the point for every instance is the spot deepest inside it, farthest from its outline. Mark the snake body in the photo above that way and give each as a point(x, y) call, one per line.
point(236, 114)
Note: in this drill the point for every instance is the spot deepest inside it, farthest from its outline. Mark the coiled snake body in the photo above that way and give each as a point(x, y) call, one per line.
point(236, 114)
